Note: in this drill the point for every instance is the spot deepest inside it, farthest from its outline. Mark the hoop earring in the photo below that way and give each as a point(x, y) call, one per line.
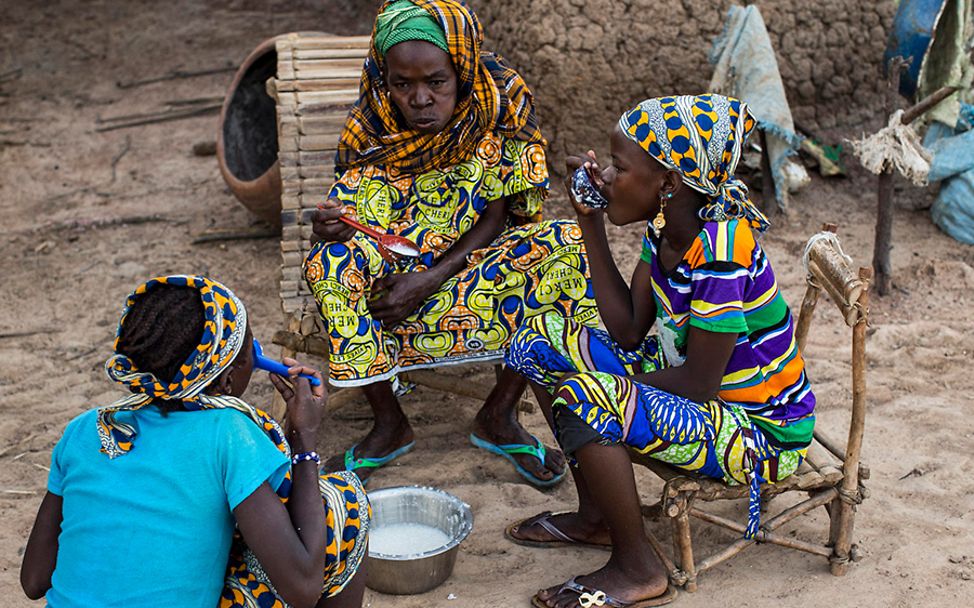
point(659, 222)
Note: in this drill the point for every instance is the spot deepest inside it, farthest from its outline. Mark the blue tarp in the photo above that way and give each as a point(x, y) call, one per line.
point(953, 165)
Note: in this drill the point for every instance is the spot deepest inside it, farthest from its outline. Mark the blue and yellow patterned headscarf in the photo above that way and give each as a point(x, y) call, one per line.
point(225, 323)
point(701, 137)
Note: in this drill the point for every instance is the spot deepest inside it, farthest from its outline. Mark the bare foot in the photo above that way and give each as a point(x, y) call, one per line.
point(638, 581)
point(575, 526)
point(381, 441)
point(508, 430)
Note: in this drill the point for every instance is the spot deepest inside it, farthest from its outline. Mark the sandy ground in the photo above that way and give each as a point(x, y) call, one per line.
point(66, 270)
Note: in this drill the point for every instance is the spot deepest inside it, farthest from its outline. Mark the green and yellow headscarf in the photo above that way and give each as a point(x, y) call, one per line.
point(225, 323)
point(491, 96)
point(701, 137)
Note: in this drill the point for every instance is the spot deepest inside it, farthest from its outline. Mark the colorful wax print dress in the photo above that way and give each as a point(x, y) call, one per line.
point(762, 416)
point(347, 520)
point(526, 271)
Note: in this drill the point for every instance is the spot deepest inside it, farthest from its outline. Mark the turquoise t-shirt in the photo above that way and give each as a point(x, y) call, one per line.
point(153, 527)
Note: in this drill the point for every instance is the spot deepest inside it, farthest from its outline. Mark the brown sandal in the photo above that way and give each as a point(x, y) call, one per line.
point(561, 539)
point(595, 598)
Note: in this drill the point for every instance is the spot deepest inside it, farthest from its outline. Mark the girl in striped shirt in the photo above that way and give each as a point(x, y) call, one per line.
point(720, 388)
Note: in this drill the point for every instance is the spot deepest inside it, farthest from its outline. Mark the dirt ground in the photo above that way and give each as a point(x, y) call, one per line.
point(87, 215)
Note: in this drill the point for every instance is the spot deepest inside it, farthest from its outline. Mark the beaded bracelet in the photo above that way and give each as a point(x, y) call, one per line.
point(305, 456)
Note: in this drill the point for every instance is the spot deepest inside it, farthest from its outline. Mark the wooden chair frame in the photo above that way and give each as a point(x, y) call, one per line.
point(831, 475)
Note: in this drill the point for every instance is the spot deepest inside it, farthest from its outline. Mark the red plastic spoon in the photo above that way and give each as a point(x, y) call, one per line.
point(391, 242)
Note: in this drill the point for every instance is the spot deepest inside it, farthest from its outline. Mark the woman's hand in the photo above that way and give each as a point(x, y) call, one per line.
point(304, 402)
point(289, 541)
point(591, 164)
point(394, 297)
point(326, 225)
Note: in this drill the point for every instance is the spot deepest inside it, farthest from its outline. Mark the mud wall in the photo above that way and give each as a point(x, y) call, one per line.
point(589, 60)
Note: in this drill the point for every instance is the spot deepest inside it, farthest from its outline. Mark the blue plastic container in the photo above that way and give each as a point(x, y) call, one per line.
point(914, 28)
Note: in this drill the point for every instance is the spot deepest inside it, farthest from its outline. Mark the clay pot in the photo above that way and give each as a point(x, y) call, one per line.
point(246, 144)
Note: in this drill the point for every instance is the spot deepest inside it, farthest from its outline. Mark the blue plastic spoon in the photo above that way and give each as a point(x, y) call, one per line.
point(276, 367)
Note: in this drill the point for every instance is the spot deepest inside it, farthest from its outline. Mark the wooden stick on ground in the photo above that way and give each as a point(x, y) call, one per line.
point(194, 101)
point(174, 75)
point(236, 235)
point(26, 333)
point(85, 353)
point(162, 117)
point(20, 142)
point(13, 74)
point(115, 159)
point(172, 105)
point(130, 220)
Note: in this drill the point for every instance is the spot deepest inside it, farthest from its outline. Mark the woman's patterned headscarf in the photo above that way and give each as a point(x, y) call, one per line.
point(225, 323)
point(491, 97)
point(702, 137)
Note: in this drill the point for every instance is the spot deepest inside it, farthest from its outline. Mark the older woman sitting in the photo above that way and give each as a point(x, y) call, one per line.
point(442, 148)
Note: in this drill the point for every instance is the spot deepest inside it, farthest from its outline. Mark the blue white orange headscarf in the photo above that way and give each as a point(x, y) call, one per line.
point(225, 323)
point(701, 137)
point(491, 98)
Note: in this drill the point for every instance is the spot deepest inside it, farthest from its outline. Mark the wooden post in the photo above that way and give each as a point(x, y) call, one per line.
point(841, 509)
point(884, 199)
point(884, 208)
point(884, 232)
point(678, 511)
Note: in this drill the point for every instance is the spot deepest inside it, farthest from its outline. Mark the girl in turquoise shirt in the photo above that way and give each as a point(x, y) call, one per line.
point(181, 493)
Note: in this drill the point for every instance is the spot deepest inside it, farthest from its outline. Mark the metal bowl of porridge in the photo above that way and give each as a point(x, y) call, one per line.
point(414, 538)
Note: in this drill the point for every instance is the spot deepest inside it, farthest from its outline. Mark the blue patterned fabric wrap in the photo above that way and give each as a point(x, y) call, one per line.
point(348, 518)
point(587, 373)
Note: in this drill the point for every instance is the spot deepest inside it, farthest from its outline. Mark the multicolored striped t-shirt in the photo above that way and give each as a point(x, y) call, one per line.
point(725, 284)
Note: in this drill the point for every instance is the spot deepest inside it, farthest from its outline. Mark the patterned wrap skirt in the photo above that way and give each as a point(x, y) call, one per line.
point(713, 438)
point(527, 271)
point(348, 517)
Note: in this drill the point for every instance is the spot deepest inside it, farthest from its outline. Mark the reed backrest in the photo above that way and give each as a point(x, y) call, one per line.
point(317, 82)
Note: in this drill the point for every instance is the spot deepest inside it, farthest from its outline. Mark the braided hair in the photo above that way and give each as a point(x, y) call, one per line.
point(163, 327)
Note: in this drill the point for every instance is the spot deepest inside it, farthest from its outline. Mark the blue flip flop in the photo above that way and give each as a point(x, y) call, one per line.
point(507, 451)
point(353, 464)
